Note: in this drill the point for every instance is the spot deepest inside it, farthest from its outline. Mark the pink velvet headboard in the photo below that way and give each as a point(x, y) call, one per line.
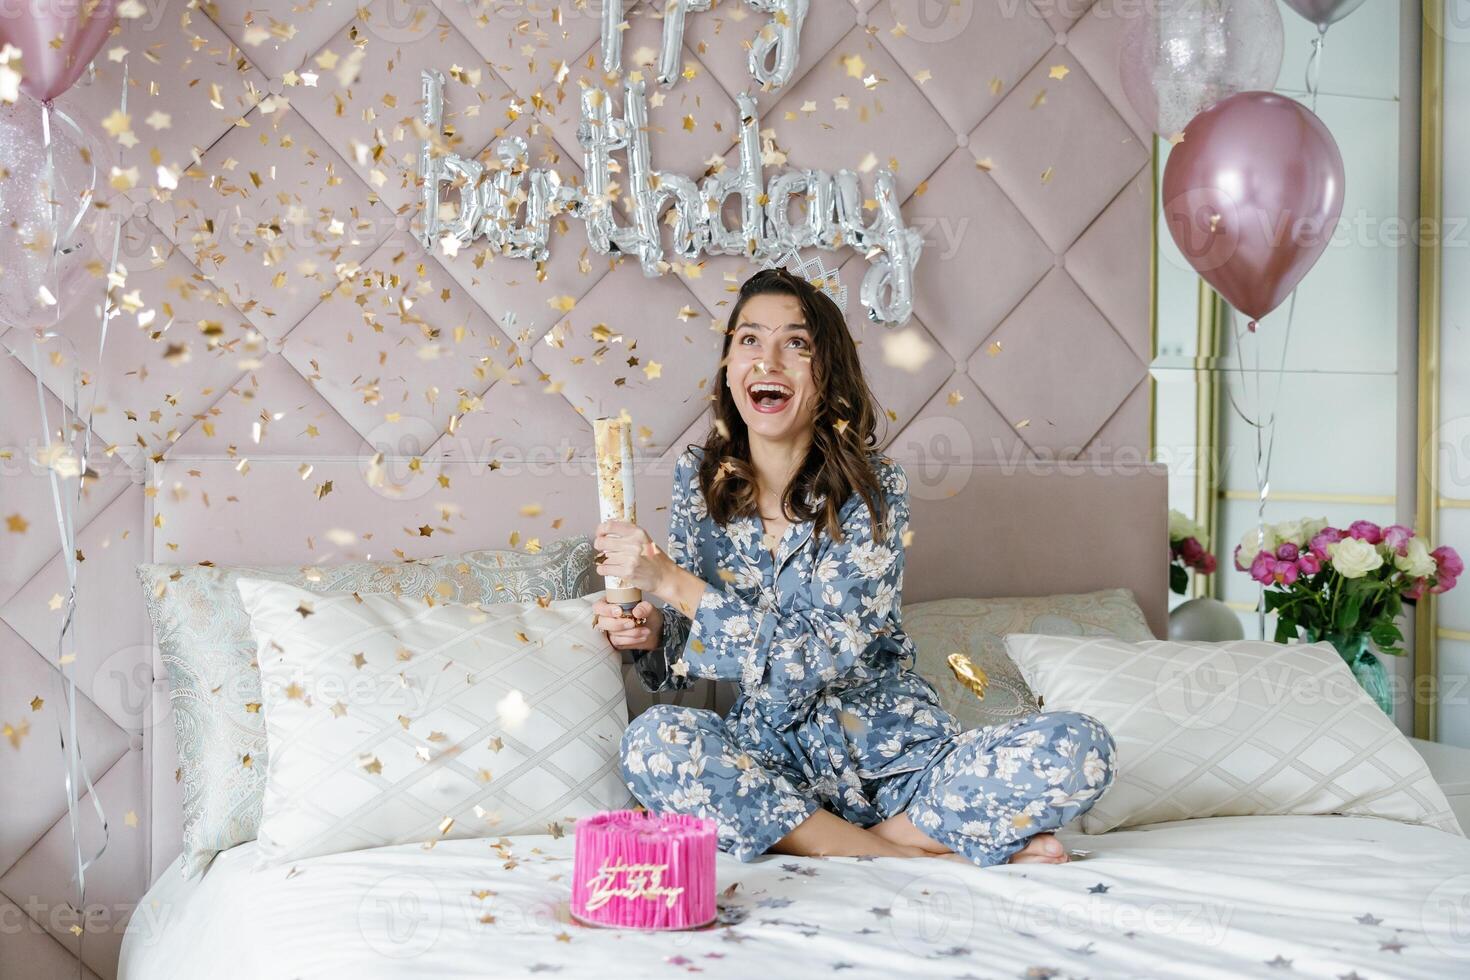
point(301, 321)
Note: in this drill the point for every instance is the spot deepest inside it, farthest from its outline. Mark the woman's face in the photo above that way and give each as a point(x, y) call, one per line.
point(769, 368)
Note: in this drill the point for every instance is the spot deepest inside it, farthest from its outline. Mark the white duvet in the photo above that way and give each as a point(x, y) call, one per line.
point(1225, 897)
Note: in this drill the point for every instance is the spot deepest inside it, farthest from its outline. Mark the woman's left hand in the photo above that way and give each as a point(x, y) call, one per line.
point(628, 553)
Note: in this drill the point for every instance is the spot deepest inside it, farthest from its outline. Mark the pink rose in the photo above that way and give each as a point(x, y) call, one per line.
point(1287, 552)
point(1263, 568)
point(1286, 572)
point(1396, 536)
point(1324, 537)
point(1309, 563)
point(1191, 551)
point(1415, 591)
point(1448, 560)
point(1444, 584)
point(1235, 558)
point(1365, 531)
point(1207, 564)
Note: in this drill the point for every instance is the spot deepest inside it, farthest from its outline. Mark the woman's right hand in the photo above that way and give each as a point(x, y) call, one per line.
point(623, 630)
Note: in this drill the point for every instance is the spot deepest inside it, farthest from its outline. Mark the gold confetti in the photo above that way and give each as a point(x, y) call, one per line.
point(562, 304)
point(130, 818)
point(370, 764)
point(37, 703)
point(906, 350)
point(1059, 72)
point(16, 524)
point(16, 733)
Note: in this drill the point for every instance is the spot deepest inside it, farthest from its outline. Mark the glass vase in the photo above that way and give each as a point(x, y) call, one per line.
point(1372, 675)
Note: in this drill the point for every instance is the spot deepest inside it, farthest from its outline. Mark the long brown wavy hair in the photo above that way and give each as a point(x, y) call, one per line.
point(844, 423)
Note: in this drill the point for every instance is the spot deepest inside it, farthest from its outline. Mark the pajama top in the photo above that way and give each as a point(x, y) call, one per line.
point(812, 638)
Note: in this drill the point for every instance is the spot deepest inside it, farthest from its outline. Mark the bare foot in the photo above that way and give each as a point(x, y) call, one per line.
point(1041, 849)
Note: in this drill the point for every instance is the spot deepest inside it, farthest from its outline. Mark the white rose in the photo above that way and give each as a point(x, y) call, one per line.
point(1353, 558)
point(1311, 527)
point(1251, 543)
point(1181, 527)
point(1290, 531)
point(1417, 562)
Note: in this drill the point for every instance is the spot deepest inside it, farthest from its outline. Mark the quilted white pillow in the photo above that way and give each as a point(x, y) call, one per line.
point(389, 721)
point(1231, 729)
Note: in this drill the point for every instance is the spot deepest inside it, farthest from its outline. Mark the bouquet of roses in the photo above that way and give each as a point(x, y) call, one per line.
point(1187, 544)
point(1326, 582)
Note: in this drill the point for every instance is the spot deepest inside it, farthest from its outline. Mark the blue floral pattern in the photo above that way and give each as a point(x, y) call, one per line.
point(829, 711)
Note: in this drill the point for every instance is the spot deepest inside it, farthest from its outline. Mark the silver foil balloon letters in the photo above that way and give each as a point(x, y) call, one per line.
point(773, 52)
point(832, 209)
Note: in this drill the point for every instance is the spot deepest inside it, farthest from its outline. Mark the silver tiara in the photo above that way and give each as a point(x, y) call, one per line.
point(813, 271)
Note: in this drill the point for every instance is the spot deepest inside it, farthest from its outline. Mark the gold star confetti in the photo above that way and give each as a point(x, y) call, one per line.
point(1059, 72)
point(16, 733)
point(16, 524)
point(370, 764)
point(130, 818)
point(294, 691)
point(854, 65)
point(37, 703)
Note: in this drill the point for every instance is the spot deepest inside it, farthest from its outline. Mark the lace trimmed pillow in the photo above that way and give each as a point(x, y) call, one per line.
point(214, 681)
point(978, 627)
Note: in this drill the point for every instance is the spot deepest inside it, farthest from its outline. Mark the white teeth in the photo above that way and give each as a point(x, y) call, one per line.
point(760, 387)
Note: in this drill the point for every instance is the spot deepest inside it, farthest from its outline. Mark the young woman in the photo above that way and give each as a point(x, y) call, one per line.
point(782, 573)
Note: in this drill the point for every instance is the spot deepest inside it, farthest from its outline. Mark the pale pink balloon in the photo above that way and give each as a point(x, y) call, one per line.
point(57, 39)
point(1252, 195)
point(1324, 13)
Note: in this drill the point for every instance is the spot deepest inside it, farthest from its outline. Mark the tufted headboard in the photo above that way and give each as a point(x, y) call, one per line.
point(280, 324)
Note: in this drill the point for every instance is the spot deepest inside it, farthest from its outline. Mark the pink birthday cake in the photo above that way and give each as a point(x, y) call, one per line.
point(636, 870)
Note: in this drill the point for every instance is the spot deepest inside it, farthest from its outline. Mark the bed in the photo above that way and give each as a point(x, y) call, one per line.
point(1224, 897)
point(1326, 896)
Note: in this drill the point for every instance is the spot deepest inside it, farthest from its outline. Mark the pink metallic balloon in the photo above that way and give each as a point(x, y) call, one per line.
point(1252, 195)
point(57, 39)
point(1324, 13)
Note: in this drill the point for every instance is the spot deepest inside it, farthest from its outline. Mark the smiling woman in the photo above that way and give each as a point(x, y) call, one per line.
point(784, 573)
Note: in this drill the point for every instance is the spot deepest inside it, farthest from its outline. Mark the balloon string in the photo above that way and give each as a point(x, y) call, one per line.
point(1314, 66)
point(66, 507)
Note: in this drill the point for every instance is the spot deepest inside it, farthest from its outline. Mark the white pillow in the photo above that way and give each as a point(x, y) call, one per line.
point(1231, 729)
point(389, 721)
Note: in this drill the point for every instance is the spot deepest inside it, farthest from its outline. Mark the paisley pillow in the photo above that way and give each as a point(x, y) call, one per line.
point(977, 628)
point(214, 680)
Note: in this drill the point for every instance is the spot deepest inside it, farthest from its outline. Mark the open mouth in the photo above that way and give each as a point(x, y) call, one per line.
point(769, 396)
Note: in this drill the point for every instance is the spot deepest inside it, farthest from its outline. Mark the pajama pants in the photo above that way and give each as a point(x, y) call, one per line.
point(983, 794)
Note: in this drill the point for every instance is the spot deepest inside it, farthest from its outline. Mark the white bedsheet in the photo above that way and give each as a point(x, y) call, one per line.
point(1225, 897)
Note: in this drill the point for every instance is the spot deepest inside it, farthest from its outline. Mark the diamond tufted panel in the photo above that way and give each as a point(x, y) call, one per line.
point(278, 317)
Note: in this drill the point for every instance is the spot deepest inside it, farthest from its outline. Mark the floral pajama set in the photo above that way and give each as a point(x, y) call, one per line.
point(829, 712)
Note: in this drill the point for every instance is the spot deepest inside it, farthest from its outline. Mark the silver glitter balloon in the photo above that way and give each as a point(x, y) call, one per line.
point(35, 290)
